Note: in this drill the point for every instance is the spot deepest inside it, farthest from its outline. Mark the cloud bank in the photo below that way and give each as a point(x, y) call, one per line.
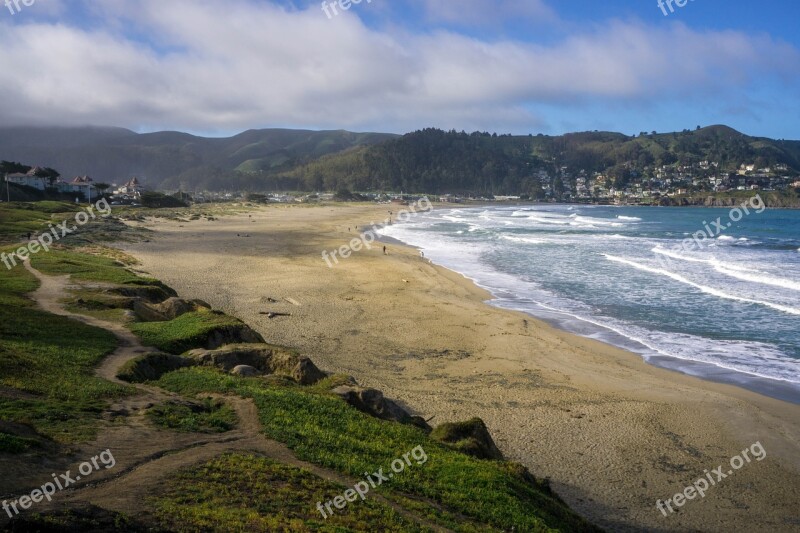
point(206, 66)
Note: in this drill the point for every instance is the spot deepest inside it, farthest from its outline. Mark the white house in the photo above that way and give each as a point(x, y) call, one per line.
point(132, 188)
point(29, 180)
point(83, 185)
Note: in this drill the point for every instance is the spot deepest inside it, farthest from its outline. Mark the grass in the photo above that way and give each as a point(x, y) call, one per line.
point(185, 332)
point(247, 492)
point(50, 360)
point(91, 268)
point(210, 416)
point(323, 430)
point(17, 219)
point(95, 306)
point(13, 444)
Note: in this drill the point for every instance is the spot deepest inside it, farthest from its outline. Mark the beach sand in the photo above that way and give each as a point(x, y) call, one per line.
point(612, 433)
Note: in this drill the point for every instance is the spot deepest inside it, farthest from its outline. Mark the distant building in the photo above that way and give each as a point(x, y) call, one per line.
point(133, 187)
point(83, 185)
point(29, 180)
point(449, 199)
point(130, 192)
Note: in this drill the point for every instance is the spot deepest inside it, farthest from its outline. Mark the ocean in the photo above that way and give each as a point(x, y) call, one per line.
point(710, 292)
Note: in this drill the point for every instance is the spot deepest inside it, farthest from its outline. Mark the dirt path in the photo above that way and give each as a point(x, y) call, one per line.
point(145, 456)
point(48, 296)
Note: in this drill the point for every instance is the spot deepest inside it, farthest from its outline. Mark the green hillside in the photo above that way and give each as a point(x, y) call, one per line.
point(432, 160)
point(429, 160)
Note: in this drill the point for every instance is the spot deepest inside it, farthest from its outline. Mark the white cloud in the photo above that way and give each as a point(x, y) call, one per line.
point(210, 66)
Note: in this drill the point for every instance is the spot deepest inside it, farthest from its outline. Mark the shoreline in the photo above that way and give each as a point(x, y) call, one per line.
point(768, 387)
point(778, 389)
point(612, 432)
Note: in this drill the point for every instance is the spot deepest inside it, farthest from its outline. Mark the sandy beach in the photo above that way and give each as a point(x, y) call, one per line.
point(612, 433)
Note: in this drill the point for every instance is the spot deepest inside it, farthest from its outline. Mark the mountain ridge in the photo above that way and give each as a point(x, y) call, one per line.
point(430, 160)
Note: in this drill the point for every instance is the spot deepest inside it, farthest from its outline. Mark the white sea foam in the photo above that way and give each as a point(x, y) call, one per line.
point(703, 288)
point(736, 271)
point(527, 240)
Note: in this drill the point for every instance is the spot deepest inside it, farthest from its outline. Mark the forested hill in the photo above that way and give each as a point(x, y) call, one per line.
point(436, 161)
point(429, 160)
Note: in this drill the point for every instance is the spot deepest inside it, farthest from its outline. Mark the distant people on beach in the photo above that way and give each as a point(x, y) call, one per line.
point(384, 251)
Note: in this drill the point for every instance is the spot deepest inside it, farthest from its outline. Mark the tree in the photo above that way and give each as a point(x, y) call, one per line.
point(558, 188)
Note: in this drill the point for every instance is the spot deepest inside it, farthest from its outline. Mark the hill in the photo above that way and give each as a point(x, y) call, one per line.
point(432, 160)
point(429, 160)
point(172, 159)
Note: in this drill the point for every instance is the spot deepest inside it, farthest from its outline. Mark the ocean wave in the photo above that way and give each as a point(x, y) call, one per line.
point(702, 288)
point(526, 240)
point(562, 221)
point(598, 221)
point(713, 262)
point(735, 271)
point(763, 279)
point(631, 219)
point(736, 356)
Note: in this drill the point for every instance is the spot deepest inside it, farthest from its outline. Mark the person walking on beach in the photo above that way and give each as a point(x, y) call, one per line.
point(384, 251)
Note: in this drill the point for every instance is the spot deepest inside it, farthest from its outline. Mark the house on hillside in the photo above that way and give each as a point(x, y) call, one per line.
point(128, 194)
point(28, 180)
point(83, 185)
point(36, 177)
point(131, 188)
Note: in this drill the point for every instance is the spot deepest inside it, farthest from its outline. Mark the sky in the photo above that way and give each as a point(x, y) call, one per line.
point(508, 66)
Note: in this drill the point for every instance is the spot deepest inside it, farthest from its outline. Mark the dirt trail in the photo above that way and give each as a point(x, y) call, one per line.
point(48, 296)
point(146, 456)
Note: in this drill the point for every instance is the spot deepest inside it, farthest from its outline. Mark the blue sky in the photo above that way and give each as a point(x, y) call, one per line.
point(519, 66)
